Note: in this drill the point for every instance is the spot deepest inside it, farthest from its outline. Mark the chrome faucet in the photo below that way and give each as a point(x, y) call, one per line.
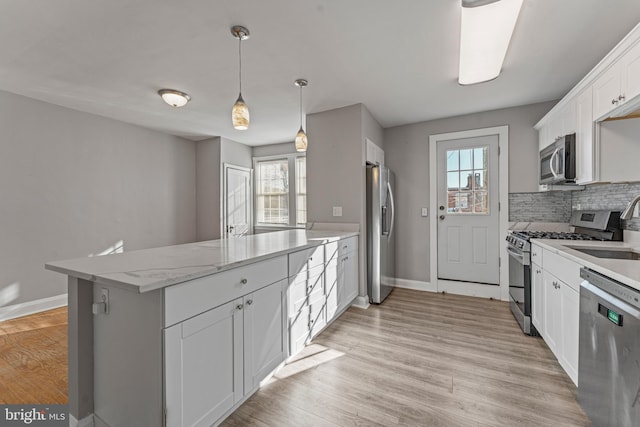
point(627, 214)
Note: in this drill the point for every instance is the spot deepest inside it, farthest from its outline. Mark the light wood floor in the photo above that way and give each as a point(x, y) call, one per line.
point(419, 359)
point(33, 359)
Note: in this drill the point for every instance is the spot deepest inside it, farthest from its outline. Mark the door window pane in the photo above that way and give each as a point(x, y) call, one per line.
point(467, 181)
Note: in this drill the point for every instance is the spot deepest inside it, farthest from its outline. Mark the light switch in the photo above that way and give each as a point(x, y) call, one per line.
point(424, 212)
point(337, 211)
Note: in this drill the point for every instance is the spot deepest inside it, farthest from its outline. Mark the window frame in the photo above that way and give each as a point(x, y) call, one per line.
point(293, 211)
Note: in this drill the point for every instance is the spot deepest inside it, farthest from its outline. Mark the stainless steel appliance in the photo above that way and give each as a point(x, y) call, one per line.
point(609, 355)
point(558, 161)
point(380, 238)
point(588, 225)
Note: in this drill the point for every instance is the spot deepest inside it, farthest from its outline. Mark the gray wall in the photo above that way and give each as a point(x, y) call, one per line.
point(75, 184)
point(274, 149)
point(211, 154)
point(336, 169)
point(407, 154)
point(334, 165)
point(208, 185)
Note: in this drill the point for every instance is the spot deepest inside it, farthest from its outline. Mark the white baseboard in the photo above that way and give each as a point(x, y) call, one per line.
point(470, 289)
point(417, 285)
point(85, 422)
point(31, 307)
point(361, 302)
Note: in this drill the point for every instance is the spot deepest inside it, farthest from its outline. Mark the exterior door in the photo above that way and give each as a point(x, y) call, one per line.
point(468, 217)
point(237, 199)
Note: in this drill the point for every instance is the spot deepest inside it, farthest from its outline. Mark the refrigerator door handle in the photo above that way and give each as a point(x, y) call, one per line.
point(393, 208)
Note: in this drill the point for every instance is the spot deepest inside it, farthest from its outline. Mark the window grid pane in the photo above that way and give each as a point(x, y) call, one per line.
point(467, 181)
point(272, 191)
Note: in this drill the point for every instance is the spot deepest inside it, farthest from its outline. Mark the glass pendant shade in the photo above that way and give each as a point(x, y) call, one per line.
point(240, 114)
point(301, 140)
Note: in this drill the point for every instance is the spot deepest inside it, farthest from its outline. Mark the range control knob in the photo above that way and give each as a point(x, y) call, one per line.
point(521, 245)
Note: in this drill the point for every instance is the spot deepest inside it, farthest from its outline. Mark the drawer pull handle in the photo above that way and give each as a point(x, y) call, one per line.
point(249, 302)
point(243, 281)
point(239, 307)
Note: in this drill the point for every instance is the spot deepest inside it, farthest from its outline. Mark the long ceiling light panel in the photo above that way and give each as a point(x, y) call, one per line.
point(486, 29)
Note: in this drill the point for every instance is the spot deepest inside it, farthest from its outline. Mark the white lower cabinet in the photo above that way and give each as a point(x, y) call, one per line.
point(556, 307)
point(318, 293)
point(537, 299)
point(214, 359)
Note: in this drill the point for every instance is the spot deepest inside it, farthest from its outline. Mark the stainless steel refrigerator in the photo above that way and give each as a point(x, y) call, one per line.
point(380, 237)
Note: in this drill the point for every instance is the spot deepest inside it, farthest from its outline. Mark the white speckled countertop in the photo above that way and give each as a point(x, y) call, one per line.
point(149, 269)
point(624, 271)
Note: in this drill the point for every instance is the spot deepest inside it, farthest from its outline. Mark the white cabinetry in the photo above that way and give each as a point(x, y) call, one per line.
point(585, 142)
point(375, 154)
point(537, 300)
point(556, 306)
point(619, 84)
point(216, 358)
point(321, 289)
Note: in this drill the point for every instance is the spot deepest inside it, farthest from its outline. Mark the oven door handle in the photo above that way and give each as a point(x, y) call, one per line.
point(517, 255)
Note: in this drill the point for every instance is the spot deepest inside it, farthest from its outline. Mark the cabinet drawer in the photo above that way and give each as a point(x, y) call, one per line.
point(191, 298)
point(305, 259)
point(348, 245)
point(563, 268)
point(306, 286)
point(536, 254)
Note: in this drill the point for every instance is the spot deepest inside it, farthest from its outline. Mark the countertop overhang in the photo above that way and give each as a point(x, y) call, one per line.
point(150, 269)
point(624, 271)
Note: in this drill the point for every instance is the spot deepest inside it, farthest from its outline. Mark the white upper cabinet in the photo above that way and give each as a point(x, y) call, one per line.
point(375, 154)
point(631, 73)
point(607, 92)
point(585, 147)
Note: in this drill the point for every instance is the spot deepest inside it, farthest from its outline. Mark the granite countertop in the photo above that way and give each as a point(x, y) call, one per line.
point(150, 269)
point(624, 271)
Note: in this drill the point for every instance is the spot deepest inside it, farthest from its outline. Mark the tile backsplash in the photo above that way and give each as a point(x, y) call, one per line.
point(556, 206)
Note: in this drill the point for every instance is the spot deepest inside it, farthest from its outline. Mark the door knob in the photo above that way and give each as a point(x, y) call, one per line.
point(441, 216)
point(441, 208)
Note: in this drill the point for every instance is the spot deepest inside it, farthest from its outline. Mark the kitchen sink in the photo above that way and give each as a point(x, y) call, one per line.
point(611, 253)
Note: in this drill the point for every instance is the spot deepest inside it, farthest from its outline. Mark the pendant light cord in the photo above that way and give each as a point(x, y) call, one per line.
point(300, 106)
point(240, 62)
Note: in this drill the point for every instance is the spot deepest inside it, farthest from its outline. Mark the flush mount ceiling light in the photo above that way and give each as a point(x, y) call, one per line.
point(175, 98)
point(240, 110)
point(301, 137)
point(486, 29)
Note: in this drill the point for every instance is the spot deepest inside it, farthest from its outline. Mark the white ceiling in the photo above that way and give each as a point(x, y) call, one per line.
point(399, 58)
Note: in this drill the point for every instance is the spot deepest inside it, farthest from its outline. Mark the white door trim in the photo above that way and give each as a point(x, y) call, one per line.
point(503, 166)
point(223, 205)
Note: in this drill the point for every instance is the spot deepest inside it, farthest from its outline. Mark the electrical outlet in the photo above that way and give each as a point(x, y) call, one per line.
point(337, 211)
point(424, 212)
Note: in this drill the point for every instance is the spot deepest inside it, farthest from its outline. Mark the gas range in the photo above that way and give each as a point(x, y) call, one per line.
point(588, 225)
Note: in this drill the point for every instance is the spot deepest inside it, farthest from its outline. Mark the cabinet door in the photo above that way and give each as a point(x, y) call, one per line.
point(570, 318)
point(568, 116)
point(331, 283)
point(347, 279)
point(631, 73)
point(585, 158)
point(203, 366)
point(606, 90)
point(264, 333)
point(552, 307)
point(537, 302)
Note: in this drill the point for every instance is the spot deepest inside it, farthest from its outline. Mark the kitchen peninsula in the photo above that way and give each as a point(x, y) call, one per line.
point(182, 335)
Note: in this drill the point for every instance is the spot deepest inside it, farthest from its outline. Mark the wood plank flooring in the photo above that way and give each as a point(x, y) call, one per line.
point(33, 358)
point(419, 359)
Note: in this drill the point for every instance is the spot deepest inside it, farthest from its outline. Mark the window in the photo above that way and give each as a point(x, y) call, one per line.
point(281, 190)
point(467, 181)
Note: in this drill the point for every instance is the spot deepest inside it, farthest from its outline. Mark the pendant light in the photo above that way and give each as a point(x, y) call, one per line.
point(240, 111)
point(301, 137)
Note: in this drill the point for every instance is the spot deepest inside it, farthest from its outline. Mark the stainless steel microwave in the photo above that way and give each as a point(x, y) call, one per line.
point(558, 161)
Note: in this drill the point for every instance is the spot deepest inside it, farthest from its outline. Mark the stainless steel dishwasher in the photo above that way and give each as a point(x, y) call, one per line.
point(609, 358)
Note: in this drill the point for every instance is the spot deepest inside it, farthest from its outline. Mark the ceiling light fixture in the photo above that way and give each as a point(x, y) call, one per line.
point(485, 33)
point(240, 111)
point(175, 98)
point(301, 137)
